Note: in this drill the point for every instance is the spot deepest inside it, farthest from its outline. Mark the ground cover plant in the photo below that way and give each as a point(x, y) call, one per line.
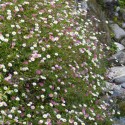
point(122, 3)
point(51, 69)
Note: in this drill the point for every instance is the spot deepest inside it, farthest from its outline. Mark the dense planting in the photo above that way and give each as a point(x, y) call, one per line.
point(51, 69)
point(122, 3)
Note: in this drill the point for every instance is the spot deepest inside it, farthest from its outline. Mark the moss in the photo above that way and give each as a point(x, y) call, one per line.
point(122, 3)
point(122, 108)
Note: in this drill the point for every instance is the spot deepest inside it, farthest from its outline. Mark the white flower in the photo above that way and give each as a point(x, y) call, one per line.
point(24, 123)
point(58, 116)
point(106, 21)
point(1, 104)
point(32, 48)
point(7, 35)
point(3, 112)
point(15, 72)
point(34, 84)
point(28, 115)
point(43, 77)
point(42, 107)
point(24, 44)
point(15, 90)
point(18, 26)
point(44, 58)
point(85, 105)
point(32, 59)
point(111, 120)
point(22, 21)
point(56, 54)
point(43, 49)
point(26, 2)
point(9, 17)
point(13, 108)
point(10, 64)
point(19, 111)
point(16, 8)
point(17, 98)
point(82, 123)
point(75, 123)
point(118, 113)
point(5, 88)
point(49, 10)
point(50, 16)
point(48, 56)
point(12, 26)
point(21, 79)
point(48, 46)
point(51, 104)
point(95, 123)
point(13, 33)
point(45, 116)
point(10, 116)
point(23, 94)
point(32, 107)
point(35, 45)
point(1, 37)
point(8, 11)
point(40, 121)
point(55, 22)
point(58, 88)
point(55, 93)
point(42, 96)
point(64, 120)
point(4, 70)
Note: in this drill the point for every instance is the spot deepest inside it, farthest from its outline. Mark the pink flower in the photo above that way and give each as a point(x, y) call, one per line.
point(51, 95)
point(13, 44)
point(41, 84)
point(14, 1)
point(21, 9)
point(38, 72)
point(84, 111)
point(8, 78)
point(25, 62)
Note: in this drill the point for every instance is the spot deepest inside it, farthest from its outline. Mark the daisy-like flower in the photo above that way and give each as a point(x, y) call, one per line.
point(58, 116)
point(45, 116)
point(29, 115)
point(14, 33)
point(40, 122)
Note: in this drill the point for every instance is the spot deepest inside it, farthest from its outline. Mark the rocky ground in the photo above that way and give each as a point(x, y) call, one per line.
point(116, 73)
point(115, 85)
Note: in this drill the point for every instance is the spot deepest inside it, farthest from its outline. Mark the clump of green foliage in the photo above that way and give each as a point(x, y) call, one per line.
point(122, 3)
point(50, 65)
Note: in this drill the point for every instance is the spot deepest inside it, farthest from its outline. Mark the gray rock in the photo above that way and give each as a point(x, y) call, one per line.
point(84, 5)
point(119, 92)
point(123, 85)
point(119, 57)
point(123, 42)
point(120, 121)
point(123, 16)
point(109, 86)
point(107, 0)
point(81, 5)
point(116, 71)
point(123, 25)
point(117, 8)
point(119, 80)
point(115, 90)
point(116, 14)
point(118, 31)
point(119, 46)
